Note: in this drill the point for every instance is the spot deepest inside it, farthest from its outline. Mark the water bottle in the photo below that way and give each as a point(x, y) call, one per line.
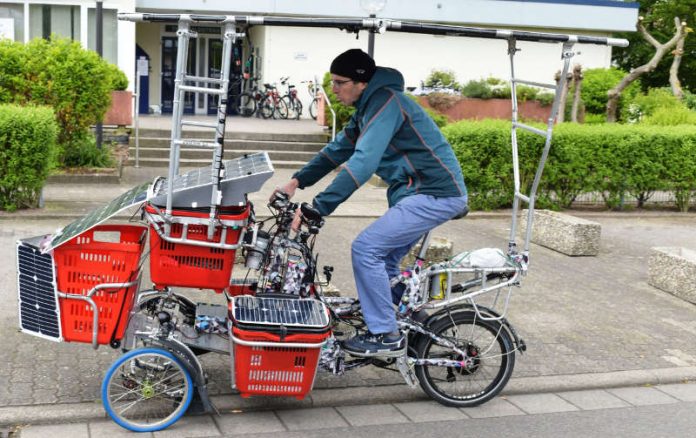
point(438, 286)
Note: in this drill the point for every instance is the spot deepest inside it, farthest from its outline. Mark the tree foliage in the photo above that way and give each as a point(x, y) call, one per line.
point(659, 21)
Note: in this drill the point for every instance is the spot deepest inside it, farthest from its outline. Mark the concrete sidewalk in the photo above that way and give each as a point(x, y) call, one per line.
point(589, 322)
point(346, 416)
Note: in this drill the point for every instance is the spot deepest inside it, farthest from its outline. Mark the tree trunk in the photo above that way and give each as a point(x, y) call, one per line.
point(674, 82)
point(560, 118)
point(577, 81)
point(660, 50)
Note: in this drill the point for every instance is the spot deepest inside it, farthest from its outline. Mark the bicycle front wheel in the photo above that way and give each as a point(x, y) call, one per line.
point(313, 108)
point(487, 369)
point(246, 105)
point(146, 390)
point(281, 109)
point(297, 109)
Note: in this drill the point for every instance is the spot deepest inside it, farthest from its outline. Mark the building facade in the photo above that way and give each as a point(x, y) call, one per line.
point(305, 53)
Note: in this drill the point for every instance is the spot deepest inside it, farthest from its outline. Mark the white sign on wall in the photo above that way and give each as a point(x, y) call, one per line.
point(7, 28)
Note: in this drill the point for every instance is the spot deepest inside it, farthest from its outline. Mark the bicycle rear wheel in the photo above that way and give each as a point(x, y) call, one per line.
point(491, 360)
point(146, 390)
point(246, 105)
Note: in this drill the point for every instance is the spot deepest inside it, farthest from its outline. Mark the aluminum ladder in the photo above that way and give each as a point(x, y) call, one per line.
point(184, 83)
point(566, 54)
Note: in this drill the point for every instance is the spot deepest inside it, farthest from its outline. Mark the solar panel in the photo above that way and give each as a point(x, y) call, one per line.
point(288, 312)
point(39, 313)
point(134, 196)
point(242, 175)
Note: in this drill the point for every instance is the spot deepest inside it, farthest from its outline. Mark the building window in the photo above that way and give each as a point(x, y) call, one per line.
point(12, 21)
point(110, 33)
point(46, 20)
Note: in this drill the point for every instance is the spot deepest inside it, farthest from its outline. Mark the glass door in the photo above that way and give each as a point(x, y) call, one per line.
point(169, 47)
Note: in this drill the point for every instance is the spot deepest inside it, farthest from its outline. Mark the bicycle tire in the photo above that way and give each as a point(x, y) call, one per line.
point(493, 354)
point(298, 109)
point(246, 105)
point(313, 108)
point(267, 108)
point(281, 109)
point(130, 385)
point(294, 107)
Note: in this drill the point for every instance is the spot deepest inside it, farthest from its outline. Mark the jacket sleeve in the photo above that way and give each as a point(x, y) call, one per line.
point(382, 119)
point(330, 156)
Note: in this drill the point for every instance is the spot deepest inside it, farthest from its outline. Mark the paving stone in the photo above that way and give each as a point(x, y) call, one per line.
point(109, 429)
point(541, 403)
point(310, 419)
point(425, 411)
point(371, 415)
point(190, 427)
point(643, 396)
point(593, 399)
point(498, 407)
point(683, 392)
point(249, 422)
point(77, 430)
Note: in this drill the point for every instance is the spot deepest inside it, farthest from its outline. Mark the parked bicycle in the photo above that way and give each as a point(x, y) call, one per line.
point(272, 104)
point(313, 93)
point(249, 101)
point(291, 100)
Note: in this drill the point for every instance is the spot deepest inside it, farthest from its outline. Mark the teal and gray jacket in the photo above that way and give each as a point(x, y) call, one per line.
point(390, 135)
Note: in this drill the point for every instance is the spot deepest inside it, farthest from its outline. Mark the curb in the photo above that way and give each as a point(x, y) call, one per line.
point(76, 412)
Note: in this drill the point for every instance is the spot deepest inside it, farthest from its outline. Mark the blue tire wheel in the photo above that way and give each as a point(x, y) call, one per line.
point(146, 390)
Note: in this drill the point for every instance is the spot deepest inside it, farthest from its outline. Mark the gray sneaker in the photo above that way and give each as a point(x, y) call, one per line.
point(370, 345)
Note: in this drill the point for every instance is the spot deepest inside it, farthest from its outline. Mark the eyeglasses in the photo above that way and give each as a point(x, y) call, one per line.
point(338, 83)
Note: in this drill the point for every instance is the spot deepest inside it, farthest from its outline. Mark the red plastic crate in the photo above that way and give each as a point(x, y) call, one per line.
point(83, 263)
point(284, 371)
point(177, 264)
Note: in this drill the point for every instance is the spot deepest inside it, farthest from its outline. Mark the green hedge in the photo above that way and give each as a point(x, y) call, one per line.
point(615, 160)
point(58, 73)
point(27, 153)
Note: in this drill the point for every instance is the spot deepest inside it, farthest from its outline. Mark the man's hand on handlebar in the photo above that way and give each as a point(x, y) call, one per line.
point(288, 188)
point(309, 215)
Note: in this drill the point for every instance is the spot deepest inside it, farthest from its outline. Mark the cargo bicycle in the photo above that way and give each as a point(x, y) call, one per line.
point(82, 284)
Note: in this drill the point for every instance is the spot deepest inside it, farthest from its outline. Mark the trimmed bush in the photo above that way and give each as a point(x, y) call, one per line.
point(442, 78)
point(660, 107)
point(58, 73)
point(27, 154)
point(614, 160)
point(83, 152)
point(119, 81)
point(595, 85)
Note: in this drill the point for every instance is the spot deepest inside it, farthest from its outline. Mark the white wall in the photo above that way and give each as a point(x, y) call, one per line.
point(148, 36)
point(303, 53)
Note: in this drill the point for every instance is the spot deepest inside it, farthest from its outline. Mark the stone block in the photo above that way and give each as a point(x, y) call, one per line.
point(673, 269)
point(564, 233)
point(439, 249)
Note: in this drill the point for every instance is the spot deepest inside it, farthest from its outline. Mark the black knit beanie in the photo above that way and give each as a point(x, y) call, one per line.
point(354, 64)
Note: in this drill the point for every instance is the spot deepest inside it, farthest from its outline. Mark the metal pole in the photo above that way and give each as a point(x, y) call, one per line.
point(137, 119)
point(371, 41)
point(100, 52)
